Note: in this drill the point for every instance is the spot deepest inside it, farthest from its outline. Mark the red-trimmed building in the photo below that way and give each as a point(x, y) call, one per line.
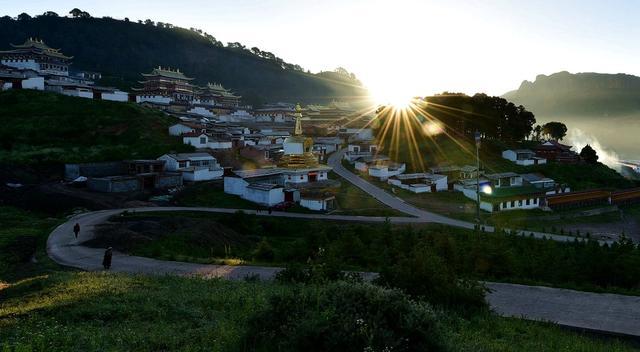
point(35, 55)
point(558, 152)
point(165, 86)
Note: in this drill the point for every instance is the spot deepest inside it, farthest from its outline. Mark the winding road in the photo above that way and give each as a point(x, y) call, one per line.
point(335, 161)
point(607, 313)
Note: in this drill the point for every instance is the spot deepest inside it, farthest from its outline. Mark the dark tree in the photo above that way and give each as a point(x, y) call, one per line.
point(589, 155)
point(537, 132)
point(93, 43)
point(555, 130)
point(24, 17)
point(50, 14)
point(75, 13)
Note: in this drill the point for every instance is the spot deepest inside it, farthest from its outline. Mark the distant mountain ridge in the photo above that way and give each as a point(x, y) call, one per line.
point(594, 94)
point(121, 50)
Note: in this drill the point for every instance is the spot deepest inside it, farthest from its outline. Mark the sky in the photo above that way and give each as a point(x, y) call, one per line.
point(405, 47)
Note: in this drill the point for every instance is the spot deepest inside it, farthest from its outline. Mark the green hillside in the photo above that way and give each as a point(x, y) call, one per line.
point(581, 93)
point(121, 50)
point(38, 127)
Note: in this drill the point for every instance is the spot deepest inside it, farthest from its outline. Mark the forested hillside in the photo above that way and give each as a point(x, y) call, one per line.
point(122, 49)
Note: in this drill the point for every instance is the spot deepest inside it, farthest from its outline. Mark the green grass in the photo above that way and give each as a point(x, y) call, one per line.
point(350, 200)
point(211, 194)
point(16, 225)
point(98, 311)
point(38, 127)
point(354, 201)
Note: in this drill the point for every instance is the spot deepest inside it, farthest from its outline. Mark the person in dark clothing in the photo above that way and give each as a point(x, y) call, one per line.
point(76, 229)
point(106, 261)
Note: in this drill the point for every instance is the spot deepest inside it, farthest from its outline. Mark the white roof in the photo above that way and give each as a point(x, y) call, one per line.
point(191, 156)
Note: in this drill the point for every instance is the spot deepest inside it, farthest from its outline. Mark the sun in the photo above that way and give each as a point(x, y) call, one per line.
point(397, 100)
point(393, 94)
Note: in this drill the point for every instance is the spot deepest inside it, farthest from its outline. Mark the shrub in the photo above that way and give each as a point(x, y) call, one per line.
point(423, 274)
point(264, 251)
point(343, 317)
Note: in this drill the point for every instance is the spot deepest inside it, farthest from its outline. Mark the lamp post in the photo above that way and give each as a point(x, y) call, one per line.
point(478, 139)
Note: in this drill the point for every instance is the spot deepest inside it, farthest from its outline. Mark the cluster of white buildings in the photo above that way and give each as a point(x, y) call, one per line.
point(297, 178)
point(35, 65)
point(523, 157)
point(193, 167)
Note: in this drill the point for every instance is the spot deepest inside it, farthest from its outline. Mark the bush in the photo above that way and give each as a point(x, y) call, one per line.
point(343, 317)
point(425, 275)
point(264, 251)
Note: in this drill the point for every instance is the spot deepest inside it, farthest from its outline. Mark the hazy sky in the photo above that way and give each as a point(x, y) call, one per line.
point(407, 47)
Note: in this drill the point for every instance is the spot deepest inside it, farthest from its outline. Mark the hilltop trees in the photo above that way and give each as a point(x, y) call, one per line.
point(121, 50)
point(554, 130)
point(77, 13)
point(494, 117)
point(589, 155)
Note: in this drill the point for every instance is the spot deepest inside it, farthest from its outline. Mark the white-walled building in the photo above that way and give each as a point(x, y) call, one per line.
point(193, 166)
point(326, 145)
point(318, 202)
point(297, 167)
point(201, 111)
point(385, 169)
point(356, 134)
point(420, 182)
point(202, 140)
point(181, 128)
point(359, 150)
point(524, 157)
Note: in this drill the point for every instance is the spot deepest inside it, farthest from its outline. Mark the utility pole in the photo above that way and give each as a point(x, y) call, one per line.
point(478, 138)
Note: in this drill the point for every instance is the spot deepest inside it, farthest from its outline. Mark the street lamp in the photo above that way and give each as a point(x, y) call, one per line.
point(478, 138)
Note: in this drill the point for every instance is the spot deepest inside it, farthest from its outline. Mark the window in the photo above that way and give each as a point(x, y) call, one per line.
point(182, 164)
point(513, 203)
point(302, 177)
point(520, 203)
point(528, 201)
point(203, 140)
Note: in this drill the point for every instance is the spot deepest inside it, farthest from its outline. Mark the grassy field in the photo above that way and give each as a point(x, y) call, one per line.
point(211, 194)
point(105, 312)
point(39, 127)
point(350, 200)
point(252, 240)
point(23, 236)
point(354, 201)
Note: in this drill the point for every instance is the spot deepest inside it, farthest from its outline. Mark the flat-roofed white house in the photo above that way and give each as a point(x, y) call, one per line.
point(468, 172)
point(181, 128)
point(505, 179)
point(268, 194)
point(318, 202)
point(203, 140)
point(420, 182)
point(542, 182)
point(358, 150)
point(524, 157)
point(193, 166)
point(385, 169)
point(508, 191)
point(326, 145)
point(356, 134)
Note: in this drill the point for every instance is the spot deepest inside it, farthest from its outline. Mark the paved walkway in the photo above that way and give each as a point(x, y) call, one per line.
point(598, 312)
point(335, 161)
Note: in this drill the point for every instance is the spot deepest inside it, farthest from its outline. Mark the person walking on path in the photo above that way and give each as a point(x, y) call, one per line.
point(76, 230)
point(106, 261)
